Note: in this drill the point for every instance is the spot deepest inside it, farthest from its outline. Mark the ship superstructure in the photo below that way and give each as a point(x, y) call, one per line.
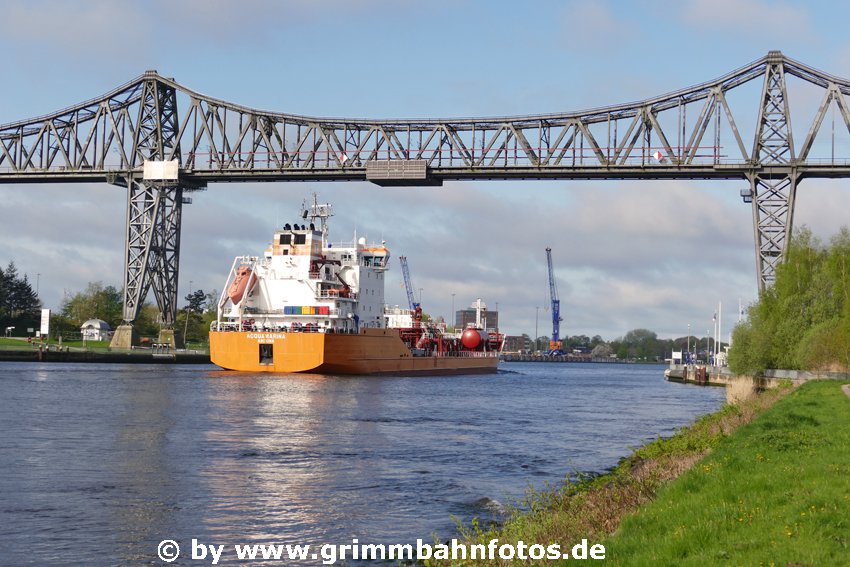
point(304, 283)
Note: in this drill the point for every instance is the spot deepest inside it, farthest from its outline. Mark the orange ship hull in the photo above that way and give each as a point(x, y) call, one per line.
point(372, 351)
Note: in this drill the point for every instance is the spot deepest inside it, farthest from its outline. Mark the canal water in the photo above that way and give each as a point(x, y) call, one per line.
point(100, 463)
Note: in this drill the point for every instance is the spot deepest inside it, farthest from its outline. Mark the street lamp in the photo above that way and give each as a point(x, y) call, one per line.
point(688, 349)
point(536, 313)
point(454, 316)
point(186, 325)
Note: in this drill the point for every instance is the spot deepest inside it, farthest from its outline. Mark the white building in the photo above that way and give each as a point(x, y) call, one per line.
point(96, 330)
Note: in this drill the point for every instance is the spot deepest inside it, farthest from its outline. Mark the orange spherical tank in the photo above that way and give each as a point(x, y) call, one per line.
point(473, 338)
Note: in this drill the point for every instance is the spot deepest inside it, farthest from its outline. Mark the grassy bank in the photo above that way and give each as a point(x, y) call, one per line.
point(776, 492)
point(94, 346)
point(776, 489)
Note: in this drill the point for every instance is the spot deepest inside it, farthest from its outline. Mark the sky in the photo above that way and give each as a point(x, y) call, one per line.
point(659, 255)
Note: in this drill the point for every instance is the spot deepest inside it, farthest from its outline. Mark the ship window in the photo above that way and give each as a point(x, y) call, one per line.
point(266, 355)
point(300, 238)
point(286, 239)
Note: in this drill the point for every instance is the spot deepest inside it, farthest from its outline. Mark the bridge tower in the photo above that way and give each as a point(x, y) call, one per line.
point(154, 209)
point(773, 183)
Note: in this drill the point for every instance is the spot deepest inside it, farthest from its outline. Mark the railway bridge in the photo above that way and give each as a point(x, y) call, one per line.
point(161, 141)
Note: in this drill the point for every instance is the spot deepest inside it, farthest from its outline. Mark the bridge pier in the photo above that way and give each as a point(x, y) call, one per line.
point(151, 255)
point(773, 216)
point(774, 186)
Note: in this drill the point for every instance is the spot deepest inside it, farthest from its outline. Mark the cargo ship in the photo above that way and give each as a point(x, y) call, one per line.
point(310, 305)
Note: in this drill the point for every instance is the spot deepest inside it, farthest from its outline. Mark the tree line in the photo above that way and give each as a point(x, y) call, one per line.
point(803, 320)
point(20, 306)
point(107, 303)
point(637, 344)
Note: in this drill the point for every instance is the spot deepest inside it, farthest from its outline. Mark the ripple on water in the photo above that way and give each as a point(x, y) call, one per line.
point(121, 457)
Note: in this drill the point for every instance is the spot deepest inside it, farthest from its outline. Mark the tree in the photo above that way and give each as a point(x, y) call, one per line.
point(19, 303)
point(803, 320)
point(602, 350)
point(96, 302)
point(197, 301)
point(641, 343)
point(542, 343)
point(148, 321)
point(193, 321)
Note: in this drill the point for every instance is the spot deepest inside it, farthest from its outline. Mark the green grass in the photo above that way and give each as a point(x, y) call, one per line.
point(775, 492)
point(21, 343)
point(15, 343)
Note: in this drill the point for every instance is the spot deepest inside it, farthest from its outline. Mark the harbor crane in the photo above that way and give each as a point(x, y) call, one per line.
point(555, 341)
point(408, 286)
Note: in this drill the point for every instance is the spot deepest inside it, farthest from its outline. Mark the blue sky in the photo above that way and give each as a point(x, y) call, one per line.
point(658, 255)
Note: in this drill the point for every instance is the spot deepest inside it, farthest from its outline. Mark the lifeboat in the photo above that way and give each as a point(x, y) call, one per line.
point(237, 289)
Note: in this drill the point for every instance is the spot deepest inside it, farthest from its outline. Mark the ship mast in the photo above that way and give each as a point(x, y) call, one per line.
point(316, 211)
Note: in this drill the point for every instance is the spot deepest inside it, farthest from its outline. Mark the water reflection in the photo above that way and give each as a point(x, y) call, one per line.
point(293, 452)
point(144, 472)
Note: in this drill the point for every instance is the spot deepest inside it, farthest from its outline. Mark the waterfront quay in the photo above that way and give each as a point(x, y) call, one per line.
point(541, 357)
point(50, 353)
point(723, 376)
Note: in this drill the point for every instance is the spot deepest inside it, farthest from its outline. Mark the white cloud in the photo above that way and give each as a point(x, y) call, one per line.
point(757, 18)
point(96, 30)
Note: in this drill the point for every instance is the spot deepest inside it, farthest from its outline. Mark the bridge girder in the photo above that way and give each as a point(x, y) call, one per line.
point(693, 133)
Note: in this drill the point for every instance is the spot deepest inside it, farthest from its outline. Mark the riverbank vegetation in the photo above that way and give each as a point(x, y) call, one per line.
point(592, 507)
point(19, 304)
point(803, 321)
point(107, 303)
point(639, 344)
point(776, 492)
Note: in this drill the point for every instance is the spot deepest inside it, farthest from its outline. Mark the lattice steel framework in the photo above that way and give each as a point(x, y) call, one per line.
point(773, 193)
point(694, 133)
point(154, 209)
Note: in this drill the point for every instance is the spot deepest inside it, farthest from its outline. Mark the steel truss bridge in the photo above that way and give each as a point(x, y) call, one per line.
point(737, 127)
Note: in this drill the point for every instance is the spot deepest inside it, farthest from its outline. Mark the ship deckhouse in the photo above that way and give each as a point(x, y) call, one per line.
point(303, 282)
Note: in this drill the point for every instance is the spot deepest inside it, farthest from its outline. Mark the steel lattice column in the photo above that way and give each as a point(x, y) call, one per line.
point(773, 215)
point(153, 248)
point(774, 186)
point(154, 209)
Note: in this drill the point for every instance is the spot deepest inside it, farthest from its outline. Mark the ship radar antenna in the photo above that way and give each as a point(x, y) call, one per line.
point(319, 211)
